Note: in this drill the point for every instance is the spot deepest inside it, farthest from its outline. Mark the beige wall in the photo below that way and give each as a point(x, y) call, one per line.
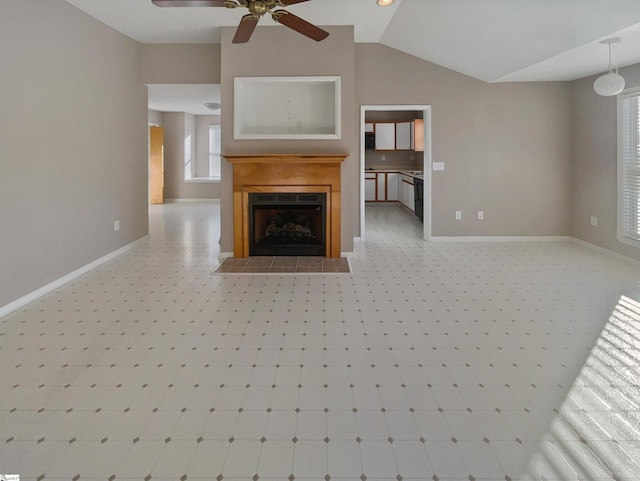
point(73, 143)
point(181, 64)
point(295, 55)
point(594, 164)
point(506, 147)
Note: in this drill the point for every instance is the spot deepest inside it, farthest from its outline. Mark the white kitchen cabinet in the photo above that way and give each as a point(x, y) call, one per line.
point(385, 135)
point(392, 186)
point(407, 194)
point(381, 187)
point(404, 135)
point(370, 182)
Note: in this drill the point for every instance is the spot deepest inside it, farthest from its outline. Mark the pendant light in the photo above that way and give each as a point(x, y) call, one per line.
point(610, 83)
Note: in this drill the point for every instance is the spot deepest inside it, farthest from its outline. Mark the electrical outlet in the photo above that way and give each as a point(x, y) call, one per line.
point(480, 215)
point(594, 221)
point(412, 157)
point(116, 225)
point(384, 157)
point(458, 215)
point(438, 166)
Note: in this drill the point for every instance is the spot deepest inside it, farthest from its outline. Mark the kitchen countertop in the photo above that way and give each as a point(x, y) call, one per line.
point(417, 174)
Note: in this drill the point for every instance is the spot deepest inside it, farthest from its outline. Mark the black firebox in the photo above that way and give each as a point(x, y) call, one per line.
point(287, 224)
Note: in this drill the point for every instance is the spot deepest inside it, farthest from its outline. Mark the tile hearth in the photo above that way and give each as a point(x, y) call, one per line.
point(283, 264)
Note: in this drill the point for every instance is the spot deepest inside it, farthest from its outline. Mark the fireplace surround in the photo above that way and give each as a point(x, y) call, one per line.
point(285, 174)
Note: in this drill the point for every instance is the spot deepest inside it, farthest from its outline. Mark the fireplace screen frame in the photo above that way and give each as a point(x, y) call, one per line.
point(302, 201)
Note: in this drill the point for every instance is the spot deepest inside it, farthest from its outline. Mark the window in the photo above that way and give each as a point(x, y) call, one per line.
point(629, 167)
point(205, 166)
point(214, 151)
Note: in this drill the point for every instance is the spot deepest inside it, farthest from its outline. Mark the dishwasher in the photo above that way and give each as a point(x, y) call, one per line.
point(418, 187)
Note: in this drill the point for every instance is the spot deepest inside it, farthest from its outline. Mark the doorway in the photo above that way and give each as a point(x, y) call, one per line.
point(426, 115)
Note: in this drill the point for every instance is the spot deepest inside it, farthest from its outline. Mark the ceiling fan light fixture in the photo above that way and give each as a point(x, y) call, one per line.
point(611, 83)
point(385, 3)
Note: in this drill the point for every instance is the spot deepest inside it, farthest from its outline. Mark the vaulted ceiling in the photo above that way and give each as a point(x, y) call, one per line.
point(491, 40)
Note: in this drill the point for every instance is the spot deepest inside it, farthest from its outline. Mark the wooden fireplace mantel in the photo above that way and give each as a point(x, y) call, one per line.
point(288, 173)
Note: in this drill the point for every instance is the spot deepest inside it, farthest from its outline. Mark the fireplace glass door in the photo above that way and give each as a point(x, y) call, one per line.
point(287, 224)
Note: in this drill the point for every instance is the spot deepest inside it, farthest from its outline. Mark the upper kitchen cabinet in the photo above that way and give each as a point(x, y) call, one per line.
point(404, 136)
point(398, 135)
point(385, 135)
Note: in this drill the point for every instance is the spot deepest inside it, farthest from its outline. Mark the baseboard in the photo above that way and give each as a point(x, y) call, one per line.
point(348, 255)
point(607, 252)
point(357, 239)
point(224, 255)
point(500, 238)
point(32, 296)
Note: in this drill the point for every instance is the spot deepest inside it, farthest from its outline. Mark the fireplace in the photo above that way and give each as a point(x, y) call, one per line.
point(287, 224)
point(276, 176)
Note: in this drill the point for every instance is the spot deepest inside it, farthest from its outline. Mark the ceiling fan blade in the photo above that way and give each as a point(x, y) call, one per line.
point(299, 25)
point(245, 29)
point(189, 3)
point(292, 2)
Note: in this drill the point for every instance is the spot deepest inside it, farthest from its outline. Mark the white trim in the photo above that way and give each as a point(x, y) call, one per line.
point(500, 238)
point(224, 255)
point(203, 180)
point(619, 165)
point(625, 240)
point(357, 239)
point(349, 255)
point(32, 296)
point(427, 162)
point(607, 252)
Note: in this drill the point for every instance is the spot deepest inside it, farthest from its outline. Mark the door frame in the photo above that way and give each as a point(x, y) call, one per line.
point(426, 113)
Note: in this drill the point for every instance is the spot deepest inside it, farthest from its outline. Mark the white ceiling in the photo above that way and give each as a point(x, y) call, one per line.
point(188, 98)
point(491, 40)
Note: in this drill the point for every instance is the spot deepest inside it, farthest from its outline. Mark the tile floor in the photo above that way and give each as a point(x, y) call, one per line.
point(432, 361)
point(284, 264)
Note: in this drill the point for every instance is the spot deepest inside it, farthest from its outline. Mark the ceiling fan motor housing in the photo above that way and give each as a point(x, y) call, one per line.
point(258, 8)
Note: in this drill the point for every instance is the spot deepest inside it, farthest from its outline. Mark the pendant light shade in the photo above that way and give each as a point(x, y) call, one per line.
point(610, 83)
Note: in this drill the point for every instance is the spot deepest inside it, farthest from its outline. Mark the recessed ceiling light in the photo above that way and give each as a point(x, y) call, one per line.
point(385, 3)
point(212, 105)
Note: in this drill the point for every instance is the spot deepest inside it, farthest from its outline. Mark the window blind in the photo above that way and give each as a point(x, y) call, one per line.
point(630, 165)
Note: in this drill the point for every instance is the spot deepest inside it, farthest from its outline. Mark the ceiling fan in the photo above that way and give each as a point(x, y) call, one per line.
point(257, 9)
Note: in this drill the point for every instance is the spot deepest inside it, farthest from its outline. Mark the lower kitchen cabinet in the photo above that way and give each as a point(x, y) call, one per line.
point(407, 192)
point(381, 186)
point(370, 187)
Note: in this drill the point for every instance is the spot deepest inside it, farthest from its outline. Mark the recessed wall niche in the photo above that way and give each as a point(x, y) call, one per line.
point(287, 107)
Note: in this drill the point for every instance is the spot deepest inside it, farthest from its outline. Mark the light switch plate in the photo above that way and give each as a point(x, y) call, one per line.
point(438, 166)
